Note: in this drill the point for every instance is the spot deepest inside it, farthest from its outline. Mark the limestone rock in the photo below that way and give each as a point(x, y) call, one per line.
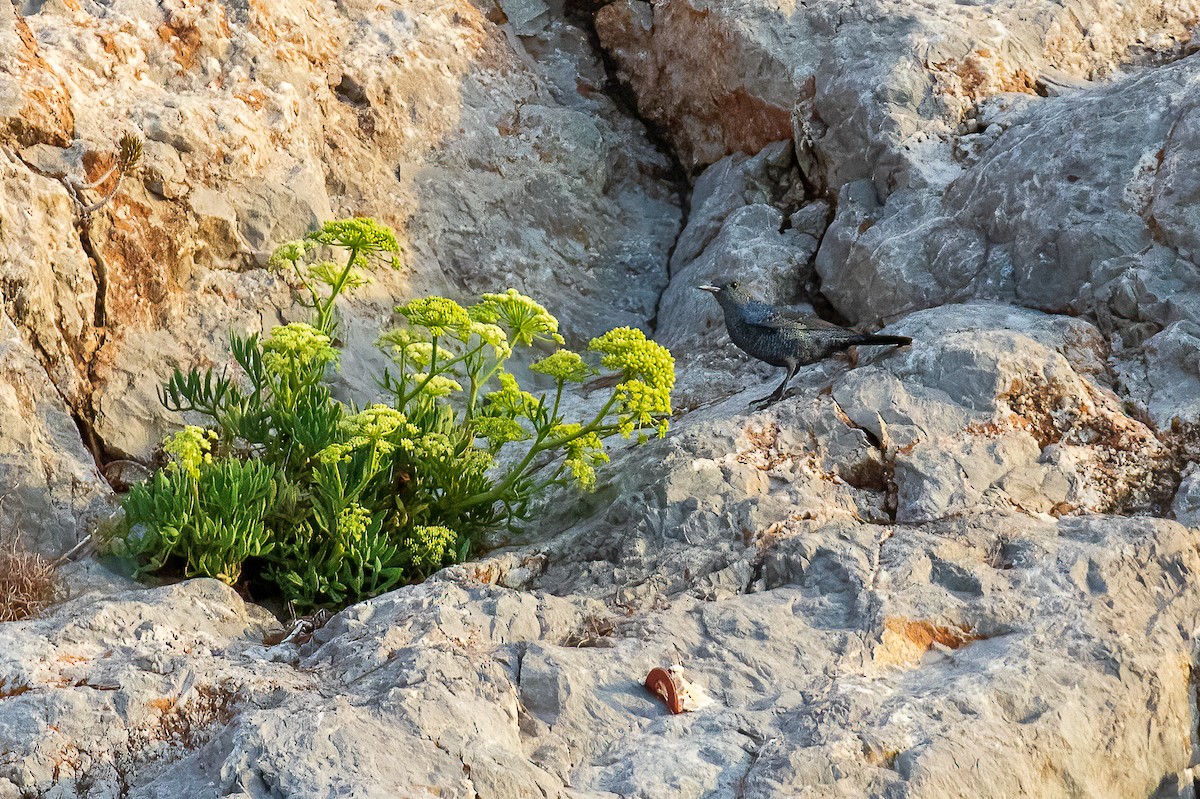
point(1060, 231)
point(50, 490)
point(259, 124)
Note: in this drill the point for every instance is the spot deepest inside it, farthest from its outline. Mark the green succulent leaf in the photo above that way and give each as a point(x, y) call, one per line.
point(285, 485)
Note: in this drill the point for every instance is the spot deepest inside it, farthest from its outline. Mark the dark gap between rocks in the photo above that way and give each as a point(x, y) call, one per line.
point(582, 14)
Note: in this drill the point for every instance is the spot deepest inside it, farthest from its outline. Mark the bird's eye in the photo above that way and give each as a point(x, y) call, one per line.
point(733, 285)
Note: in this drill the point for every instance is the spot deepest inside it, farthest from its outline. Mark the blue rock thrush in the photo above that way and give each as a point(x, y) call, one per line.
point(783, 338)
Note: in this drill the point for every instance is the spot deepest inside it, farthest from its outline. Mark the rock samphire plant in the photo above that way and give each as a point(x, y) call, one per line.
point(335, 503)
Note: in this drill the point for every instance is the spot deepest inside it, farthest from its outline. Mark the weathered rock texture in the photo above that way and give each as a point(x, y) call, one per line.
point(965, 568)
point(261, 121)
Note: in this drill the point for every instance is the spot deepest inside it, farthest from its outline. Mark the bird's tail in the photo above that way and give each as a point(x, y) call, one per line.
point(872, 340)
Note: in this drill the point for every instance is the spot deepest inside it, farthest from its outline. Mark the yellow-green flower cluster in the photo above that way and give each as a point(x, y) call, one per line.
point(642, 406)
point(439, 315)
point(296, 344)
point(429, 545)
point(331, 274)
point(649, 371)
point(437, 386)
point(189, 448)
point(492, 335)
point(353, 522)
point(290, 253)
point(360, 233)
point(474, 461)
point(498, 430)
point(510, 400)
point(379, 426)
point(433, 447)
point(628, 351)
point(524, 317)
point(564, 365)
point(377, 422)
point(400, 339)
point(583, 452)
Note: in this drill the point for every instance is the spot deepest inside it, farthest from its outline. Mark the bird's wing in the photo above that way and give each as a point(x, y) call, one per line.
point(760, 314)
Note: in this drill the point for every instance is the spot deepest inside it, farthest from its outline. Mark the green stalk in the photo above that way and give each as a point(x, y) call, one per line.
point(537, 447)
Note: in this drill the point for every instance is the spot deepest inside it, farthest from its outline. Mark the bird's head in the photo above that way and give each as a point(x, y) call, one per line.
point(727, 291)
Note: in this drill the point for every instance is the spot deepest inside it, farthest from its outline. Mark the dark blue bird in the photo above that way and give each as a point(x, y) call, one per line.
point(784, 338)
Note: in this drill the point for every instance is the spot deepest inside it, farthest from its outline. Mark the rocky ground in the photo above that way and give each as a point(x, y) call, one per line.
point(965, 568)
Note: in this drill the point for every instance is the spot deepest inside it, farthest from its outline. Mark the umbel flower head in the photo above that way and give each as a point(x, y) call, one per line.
point(360, 233)
point(438, 315)
point(296, 344)
point(436, 386)
point(510, 400)
point(584, 452)
point(189, 448)
point(564, 365)
point(429, 545)
point(649, 372)
point(291, 253)
point(345, 278)
point(498, 430)
point(526, 319)
point(490, 334)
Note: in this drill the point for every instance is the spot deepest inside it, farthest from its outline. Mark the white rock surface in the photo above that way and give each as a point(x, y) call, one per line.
point(944, 570)
point(261, 121)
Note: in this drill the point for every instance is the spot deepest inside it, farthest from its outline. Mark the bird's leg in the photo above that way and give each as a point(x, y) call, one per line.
point(777, 394)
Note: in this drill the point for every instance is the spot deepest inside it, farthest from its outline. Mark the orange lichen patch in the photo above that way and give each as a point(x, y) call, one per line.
point(44, 114)
point(184, 38)
point(72, 659)
point(764, 453)
point(254, 98)
point(162, 705)
point(143, 257)
point(750, 123)
point(488, 574)
point(1129, 467)
point(905, 641)
point(8, 691)
point(980, 74)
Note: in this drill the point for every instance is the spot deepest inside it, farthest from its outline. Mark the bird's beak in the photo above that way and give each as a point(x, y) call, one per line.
point(709, 289)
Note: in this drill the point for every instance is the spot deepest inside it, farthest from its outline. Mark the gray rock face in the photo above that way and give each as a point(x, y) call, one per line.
point(496, 170)
point(946, 570)
point(1060, 231)
point(853, 658)
point(50, 489)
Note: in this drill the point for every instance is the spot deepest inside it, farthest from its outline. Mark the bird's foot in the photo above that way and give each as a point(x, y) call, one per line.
point(766, 402)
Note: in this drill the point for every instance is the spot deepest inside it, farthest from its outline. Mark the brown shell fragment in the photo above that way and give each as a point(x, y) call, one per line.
point(660, 683)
